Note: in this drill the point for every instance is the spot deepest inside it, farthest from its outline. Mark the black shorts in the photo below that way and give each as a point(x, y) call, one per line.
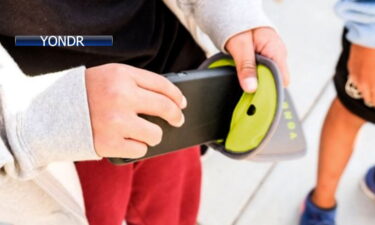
point(356, 106)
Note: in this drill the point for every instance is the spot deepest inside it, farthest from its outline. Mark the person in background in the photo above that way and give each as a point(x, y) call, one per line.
point(354, 106)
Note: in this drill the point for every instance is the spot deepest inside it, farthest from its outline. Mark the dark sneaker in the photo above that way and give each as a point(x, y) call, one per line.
point(368, 183)
point(313, 215)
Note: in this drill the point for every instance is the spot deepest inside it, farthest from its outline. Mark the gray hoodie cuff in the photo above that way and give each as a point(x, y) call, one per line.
point(52, 123)
point(221, 20)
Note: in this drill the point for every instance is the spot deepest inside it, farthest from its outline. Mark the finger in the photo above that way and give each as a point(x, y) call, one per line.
point(155, 104)
point(157, 83)
point(278, 53)
point(126, 148)
point(243, 54)
point(139, 129)
point(281, 61)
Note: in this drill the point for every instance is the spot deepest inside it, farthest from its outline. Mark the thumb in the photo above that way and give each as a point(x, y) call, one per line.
point(242, 50)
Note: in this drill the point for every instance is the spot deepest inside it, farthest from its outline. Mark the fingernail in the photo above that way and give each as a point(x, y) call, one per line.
point(251, 84)
point(181, 122)
point(183, 102)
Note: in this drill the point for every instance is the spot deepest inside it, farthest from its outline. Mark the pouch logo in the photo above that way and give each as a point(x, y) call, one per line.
point(291, 124)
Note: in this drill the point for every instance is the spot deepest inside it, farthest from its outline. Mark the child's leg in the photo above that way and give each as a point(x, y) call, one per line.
point(161, 190)
point(336, 145)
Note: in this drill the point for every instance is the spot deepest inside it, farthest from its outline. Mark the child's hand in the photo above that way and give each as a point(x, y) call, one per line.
point(116, 95)
point(361, 67)
point(264, 41)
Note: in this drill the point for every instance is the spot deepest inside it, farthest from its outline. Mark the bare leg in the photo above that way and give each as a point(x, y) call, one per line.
point(336, 146)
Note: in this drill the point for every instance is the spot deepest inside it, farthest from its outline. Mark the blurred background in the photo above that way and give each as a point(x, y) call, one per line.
point(249, 193)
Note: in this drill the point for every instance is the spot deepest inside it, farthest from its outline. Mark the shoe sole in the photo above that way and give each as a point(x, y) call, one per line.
point(366, 190)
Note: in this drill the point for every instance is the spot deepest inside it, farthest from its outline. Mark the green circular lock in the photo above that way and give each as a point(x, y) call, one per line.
point(254, 117)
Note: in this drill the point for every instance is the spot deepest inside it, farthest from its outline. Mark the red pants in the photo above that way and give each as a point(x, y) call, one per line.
point(160, 191)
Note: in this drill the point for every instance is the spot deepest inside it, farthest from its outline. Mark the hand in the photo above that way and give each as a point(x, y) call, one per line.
point(361, 67)
point(116, 95)
point(264, 41)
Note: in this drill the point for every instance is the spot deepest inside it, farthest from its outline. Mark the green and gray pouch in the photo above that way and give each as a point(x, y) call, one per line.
point(261, 126)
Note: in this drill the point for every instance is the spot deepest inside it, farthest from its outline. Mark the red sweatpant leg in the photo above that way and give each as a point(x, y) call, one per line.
point(160, 191)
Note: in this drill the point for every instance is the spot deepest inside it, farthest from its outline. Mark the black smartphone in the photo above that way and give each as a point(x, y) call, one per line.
point(212, 95)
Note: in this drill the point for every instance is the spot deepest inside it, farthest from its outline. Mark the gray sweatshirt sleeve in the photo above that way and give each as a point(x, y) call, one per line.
point(222, 19)
point(43, 119)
